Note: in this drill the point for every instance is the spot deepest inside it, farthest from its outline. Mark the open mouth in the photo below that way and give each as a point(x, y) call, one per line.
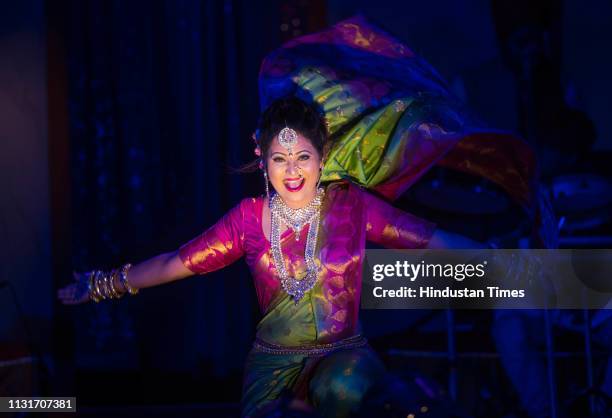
point(294, 185)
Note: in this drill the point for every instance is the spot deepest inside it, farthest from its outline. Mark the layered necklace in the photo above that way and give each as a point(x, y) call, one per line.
point(296, 219)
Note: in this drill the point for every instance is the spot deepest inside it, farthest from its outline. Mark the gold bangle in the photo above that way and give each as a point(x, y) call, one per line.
point(104, 285)
point(115, 279)
point(124, 279)
point(103, 288)
point(90, 287)
point(101, 285)
point(111, 282)
point(97, 290)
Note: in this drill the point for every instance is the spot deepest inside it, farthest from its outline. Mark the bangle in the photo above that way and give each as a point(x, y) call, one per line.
point(111, 281)
point(97, 291)
point(107, 288)
point(90, 287)
point(124, 281)
point(100, 285)
point(104, 285)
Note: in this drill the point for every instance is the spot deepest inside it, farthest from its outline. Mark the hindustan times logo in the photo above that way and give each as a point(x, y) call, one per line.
point(413, 271)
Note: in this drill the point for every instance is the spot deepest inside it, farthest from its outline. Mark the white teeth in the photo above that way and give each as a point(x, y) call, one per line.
point(294, 183)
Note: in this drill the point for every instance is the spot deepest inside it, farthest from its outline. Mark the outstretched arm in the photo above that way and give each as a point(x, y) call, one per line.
point(158, 270)
point(161, 269)
point(220, 245)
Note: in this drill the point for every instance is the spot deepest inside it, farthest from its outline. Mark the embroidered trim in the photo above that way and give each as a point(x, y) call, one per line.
point(310, 350)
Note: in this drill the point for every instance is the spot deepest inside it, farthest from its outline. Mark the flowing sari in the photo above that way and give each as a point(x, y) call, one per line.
point(392, 118)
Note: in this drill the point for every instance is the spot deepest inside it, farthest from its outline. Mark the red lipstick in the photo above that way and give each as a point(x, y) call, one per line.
point(295, 188)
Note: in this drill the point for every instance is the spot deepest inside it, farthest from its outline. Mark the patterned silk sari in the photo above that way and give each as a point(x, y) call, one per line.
point(312, 349)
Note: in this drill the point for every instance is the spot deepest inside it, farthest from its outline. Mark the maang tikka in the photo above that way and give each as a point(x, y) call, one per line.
point(287, 138)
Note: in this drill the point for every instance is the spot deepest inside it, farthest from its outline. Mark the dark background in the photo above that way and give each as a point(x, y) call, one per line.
point(120, 122)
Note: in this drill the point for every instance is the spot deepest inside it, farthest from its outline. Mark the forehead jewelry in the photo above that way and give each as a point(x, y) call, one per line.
point(287, 138)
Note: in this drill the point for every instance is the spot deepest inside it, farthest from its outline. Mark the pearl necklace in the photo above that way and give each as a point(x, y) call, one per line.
point(296, 219)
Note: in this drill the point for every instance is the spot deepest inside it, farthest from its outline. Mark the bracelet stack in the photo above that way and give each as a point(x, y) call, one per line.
point(101, 285)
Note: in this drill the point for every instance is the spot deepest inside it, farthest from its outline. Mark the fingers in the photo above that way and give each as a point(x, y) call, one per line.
point(68, 295)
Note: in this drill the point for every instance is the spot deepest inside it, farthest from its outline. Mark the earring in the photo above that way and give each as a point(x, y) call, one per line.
point(265, 173)
point(320, 175)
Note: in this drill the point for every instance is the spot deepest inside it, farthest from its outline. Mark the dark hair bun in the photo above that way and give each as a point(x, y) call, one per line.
point(305, 118)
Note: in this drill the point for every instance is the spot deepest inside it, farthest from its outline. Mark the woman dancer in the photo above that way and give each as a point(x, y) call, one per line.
point(304, 244)
point(304, 240)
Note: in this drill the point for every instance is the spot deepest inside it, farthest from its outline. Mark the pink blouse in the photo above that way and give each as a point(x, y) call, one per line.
point(349, 217)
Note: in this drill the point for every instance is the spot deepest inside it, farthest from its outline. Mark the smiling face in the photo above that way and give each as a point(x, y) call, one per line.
point(294, 175)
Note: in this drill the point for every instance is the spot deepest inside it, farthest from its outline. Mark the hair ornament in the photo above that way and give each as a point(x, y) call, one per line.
point(287, 138)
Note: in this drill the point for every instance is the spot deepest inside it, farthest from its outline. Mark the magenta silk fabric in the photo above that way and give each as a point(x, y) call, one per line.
point(349, 217)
